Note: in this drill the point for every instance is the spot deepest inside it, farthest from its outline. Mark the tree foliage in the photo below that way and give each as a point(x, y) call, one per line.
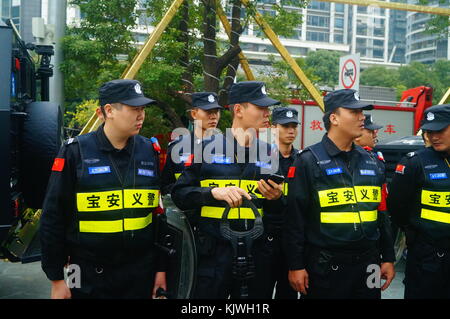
point(189, 57)
point(416, 74)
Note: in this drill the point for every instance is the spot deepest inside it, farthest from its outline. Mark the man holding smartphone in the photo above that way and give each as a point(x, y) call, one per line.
point(232, 167)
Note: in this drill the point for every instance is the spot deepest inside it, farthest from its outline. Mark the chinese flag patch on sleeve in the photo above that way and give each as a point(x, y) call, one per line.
point(400, 169)
point(291, 172)
point(58, 164)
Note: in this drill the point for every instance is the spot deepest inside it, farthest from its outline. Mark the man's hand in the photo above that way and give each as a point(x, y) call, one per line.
point(232, 195)
point(270, 192)
point(60, 290)
point(387, 273)
point(160, 282)
point(299, 280)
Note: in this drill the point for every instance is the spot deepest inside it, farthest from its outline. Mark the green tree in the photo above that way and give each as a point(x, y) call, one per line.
point(325, 65)
point(380, 76)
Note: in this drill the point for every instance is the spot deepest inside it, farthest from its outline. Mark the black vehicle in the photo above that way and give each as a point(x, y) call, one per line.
point(393, 151)
point(30, 137)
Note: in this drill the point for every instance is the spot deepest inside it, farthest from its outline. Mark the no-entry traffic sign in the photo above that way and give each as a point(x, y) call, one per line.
point(349, 72)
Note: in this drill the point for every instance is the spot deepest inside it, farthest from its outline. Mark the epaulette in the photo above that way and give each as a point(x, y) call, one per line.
point(175, 140)
point(70, 141)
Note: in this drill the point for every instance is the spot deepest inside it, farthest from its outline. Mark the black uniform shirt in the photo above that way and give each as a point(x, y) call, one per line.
point(171, 168)
point(301, 225)
point(58, 223)
point(405, 189)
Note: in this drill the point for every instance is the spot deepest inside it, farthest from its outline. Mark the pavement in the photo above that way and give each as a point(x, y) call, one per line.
point(28, 281)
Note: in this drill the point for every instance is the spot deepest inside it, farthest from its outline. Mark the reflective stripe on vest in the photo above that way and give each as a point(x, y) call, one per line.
point(348, 217)
point(437, 199)
point(346, 195)
point(115, 226)
point(285, 188)
point(235, 213)
point(435, 216)
point(249, 186)
point(117, 199)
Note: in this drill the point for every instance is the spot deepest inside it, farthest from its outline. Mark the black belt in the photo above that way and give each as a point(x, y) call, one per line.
point(443, 244)
point(347, 257)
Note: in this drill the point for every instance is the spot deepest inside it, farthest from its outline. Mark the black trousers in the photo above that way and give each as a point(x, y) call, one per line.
point(133, 280)
point(427, 273)
point(341, 276)
point(272, 269)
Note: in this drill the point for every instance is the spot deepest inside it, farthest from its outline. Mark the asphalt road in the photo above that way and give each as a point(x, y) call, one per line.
point(28, 281)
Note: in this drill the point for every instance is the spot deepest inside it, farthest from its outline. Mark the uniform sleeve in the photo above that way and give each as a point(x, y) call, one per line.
point(402, 190)
point(187, 193)
point(58, 205)
point(297, 205)
point(168, 175)
point(386, 236)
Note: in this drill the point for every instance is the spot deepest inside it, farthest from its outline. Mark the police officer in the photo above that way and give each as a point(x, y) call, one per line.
point(419, 201)
point(98, 211)
point(206, 115)
point(332, 229)
point(233, 166)
point(368, 141)
point(285, 122)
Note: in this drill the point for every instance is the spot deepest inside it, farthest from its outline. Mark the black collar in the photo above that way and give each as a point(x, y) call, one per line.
point(293, 152)
point(106, 146)
point(332, 149)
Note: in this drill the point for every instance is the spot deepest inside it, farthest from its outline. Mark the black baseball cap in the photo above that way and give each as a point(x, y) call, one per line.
point(128, 92)
point(251, 91)
point(284, 115)
point(370, 124)
point(346, 98)
point(436, 118)
point(205, 101)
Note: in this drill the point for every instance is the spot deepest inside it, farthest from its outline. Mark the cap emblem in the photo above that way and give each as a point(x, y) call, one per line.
point(263, 90)
point(211, 98)
point(289, 114)
point(356, 95)
point(430, 116)
point(138, 89)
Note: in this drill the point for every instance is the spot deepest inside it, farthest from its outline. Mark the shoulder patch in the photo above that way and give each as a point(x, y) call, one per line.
point(291, 172)
point(400, 169)
point(155, 143)
point(58, 164)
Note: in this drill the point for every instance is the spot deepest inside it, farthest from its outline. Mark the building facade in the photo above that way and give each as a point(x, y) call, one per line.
point(420, 45)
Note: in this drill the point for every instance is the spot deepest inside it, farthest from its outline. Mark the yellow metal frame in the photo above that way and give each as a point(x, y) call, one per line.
point(394, 5)
point(315, 94)
point(446, 97)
